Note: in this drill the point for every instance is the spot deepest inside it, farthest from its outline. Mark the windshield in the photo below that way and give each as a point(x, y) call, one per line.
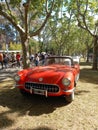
point(58, 60)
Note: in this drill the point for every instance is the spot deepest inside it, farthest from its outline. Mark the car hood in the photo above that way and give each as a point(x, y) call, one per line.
point(47, 74)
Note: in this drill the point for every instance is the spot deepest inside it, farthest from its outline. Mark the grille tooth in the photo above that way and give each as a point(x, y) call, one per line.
point(49, 88)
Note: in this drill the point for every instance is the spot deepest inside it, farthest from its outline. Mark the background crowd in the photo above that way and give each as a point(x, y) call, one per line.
point(10, 60)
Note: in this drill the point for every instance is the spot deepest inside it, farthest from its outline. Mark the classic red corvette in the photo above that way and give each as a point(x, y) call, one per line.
point(57, 77)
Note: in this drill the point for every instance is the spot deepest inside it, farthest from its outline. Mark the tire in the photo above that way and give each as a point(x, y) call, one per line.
point(70, 97)
point(24, 93)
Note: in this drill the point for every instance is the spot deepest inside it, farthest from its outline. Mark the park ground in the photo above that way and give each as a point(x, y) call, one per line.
point(53, 113)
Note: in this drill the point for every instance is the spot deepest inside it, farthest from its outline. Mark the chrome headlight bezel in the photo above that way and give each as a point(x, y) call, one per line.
point(17, 78)
point(66, 82)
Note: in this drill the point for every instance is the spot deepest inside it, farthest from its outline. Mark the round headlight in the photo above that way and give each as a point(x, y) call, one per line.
point(66, 82)
point(17, 77)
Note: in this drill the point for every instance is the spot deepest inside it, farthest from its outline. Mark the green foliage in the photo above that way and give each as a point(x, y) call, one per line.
point(61, 34)
point(33, 46)
point(15, 46)
point(15, 2)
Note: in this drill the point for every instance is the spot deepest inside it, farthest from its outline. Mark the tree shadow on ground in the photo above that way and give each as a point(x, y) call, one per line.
point(33, 106)
point(4, 74)
point(43, 128)
point(87, 74)
point(4, 120)
point(85, 64)
point(81, 92)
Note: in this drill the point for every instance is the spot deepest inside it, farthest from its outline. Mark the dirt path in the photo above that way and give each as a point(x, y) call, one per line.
point(40, 113)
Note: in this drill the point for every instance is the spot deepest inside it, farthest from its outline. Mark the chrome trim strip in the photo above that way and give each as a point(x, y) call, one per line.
point(16, 85)
point(70, 90)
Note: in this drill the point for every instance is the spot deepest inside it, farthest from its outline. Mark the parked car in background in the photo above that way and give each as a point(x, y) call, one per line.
point(76, 59)
point(57, 77)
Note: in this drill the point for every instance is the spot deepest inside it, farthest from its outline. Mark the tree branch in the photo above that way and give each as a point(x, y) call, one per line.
point(45, 21)
point(82, 15)
point(9, 18)
point(8, 9)
point(46, 6)
point(21, 13)
point(26, 8)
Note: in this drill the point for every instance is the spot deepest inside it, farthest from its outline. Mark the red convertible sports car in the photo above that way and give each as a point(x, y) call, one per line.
point(57, 77)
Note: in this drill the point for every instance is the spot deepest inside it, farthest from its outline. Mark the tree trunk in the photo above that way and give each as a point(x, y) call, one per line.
point(95, 53)
point(25, 49)
point(87, 60)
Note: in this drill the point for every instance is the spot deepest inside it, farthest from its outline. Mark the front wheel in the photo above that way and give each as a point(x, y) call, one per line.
point(70, 97)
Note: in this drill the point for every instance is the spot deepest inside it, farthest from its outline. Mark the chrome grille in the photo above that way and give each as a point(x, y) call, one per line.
point(48, 87)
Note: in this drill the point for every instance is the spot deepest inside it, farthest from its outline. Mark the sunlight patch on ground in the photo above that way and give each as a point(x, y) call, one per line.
point(6, 84)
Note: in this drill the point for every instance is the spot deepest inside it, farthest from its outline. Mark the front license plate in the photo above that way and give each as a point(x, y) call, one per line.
point(40, 92)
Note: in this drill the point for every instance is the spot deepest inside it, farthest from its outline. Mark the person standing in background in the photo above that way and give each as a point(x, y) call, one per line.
point(18, 59)
point(5, 60)
point(1, 59)
point(13, 59)
point(36, 59)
